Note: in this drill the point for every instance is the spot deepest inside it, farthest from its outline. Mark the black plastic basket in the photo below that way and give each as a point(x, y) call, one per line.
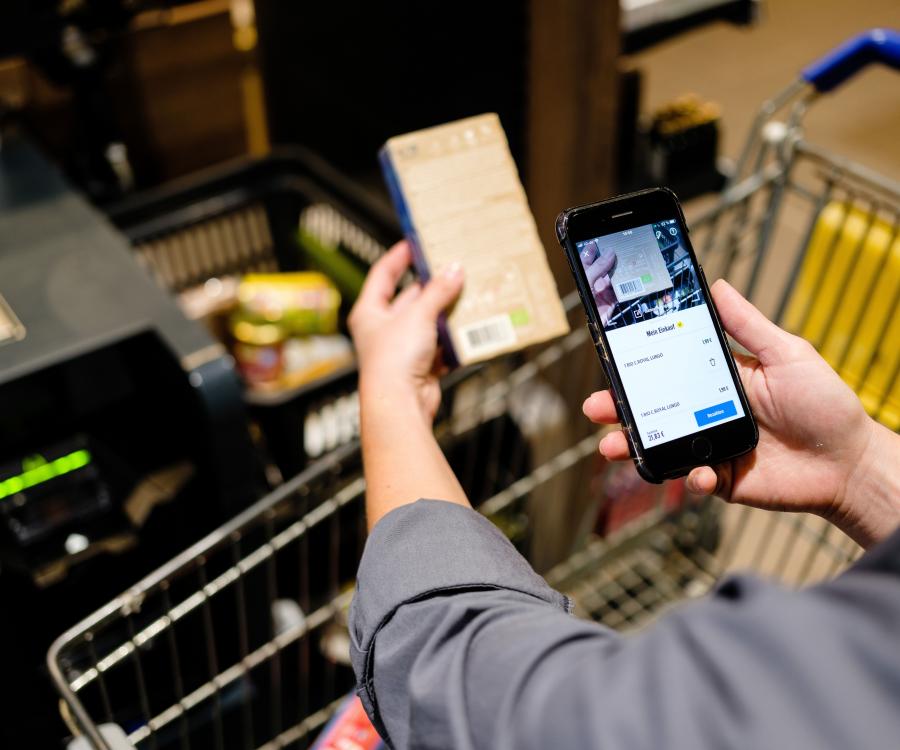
point(245, 217)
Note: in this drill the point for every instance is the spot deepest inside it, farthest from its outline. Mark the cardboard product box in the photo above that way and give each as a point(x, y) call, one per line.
point(460, 199)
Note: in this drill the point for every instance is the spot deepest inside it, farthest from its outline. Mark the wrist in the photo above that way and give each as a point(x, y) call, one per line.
point(390, 398)
point(868, 509)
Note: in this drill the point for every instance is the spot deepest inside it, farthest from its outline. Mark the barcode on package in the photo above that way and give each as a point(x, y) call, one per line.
point(630, 287)
point(488, 335)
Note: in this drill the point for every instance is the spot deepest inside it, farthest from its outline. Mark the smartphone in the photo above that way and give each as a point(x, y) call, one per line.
point(656, 330)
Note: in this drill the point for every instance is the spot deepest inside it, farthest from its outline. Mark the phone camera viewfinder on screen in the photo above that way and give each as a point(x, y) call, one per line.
point(660, 333)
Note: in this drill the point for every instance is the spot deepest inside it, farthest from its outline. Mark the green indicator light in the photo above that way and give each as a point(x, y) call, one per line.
point(78, 459)
point(36, 470)
point(40, 474)
point(11, 486)
point(32, 462)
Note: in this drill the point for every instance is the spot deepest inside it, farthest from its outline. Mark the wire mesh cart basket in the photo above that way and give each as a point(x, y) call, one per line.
point(287, 211)
point(241, 641)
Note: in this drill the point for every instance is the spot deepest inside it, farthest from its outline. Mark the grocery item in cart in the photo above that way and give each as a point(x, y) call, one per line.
point(460, 200)
point(299, 303)
point(845, 303)
point(350, 729)
point(282, 362)
point(625, 497)
point(284, 330)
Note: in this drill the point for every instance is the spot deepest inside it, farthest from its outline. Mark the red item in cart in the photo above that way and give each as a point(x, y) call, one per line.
point(259, 364)
point(349, 729)
point(626, 497)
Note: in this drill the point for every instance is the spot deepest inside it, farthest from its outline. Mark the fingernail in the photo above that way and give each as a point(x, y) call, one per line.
point(453, 272)
point(602, 452)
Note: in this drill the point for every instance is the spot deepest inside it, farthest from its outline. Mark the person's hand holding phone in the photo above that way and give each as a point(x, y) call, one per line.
point(818, 450)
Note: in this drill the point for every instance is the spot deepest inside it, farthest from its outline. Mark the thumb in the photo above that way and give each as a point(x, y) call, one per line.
point(749, 327)
point(441, 291)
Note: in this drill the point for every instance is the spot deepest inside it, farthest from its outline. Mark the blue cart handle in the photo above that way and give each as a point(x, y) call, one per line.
point(875, 45)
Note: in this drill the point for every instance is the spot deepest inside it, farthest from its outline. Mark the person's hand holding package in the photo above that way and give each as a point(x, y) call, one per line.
point(818, 451)
point(396, 337)
point(399, 366)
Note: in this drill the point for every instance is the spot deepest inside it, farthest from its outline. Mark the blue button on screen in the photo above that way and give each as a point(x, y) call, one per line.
point(715, 413)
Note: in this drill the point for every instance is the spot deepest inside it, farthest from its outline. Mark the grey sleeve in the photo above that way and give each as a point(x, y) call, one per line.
point(458, 643)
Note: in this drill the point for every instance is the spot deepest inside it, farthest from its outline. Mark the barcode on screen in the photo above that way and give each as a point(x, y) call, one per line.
point(488, 335)
point(632, 286)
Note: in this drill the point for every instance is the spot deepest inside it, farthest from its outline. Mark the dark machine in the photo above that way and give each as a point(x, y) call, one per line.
point(123, 435)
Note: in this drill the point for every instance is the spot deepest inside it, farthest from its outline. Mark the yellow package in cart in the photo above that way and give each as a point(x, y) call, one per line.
point(880, 392)
point(845, 303)
point(854, 300)
point(821, 284)
point(814, 263)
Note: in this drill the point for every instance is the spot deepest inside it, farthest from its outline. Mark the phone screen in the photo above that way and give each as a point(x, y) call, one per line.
point(659, 331)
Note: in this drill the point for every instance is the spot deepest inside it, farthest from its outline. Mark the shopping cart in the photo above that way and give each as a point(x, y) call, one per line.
point(241, 641)
point(284, 212)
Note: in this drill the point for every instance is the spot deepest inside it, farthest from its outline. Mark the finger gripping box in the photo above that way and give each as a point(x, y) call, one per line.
point(459, 198)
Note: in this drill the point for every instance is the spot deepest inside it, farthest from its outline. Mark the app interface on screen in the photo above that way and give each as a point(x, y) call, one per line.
point(660, 331)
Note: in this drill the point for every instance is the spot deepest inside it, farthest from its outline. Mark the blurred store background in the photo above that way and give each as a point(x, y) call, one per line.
point(189, 202)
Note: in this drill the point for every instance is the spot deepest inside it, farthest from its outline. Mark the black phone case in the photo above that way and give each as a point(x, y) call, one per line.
point(623, 410)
